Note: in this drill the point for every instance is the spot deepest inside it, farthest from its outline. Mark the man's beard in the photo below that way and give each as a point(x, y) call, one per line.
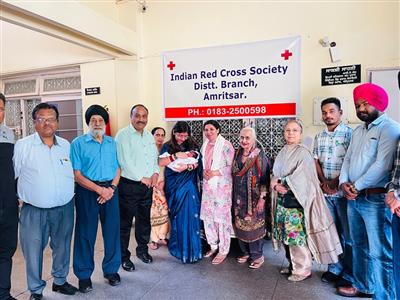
point(368, 118)
point(329, 122)
point(96, 132)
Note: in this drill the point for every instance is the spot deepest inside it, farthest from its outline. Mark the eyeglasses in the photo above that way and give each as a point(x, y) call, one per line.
point(292, 130)
point(44, 120)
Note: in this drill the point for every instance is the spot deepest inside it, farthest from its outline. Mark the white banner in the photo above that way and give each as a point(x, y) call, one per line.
point(260, 79)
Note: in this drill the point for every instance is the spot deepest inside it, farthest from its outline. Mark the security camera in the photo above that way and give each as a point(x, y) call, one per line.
point(324, 41)
point(333, 44)
point(144, 7)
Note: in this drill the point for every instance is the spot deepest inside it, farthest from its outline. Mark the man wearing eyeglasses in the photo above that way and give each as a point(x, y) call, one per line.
point(138, 159)
point(8, 205)
point(95, 164)
point(46, 187)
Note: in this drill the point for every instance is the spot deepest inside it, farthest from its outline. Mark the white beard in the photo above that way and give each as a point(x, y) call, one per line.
point(96, 132)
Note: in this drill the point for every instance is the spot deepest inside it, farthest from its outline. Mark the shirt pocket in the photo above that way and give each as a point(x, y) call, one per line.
point(340, 150)
point(371, 147)
point(65, 168)
point(110, 159)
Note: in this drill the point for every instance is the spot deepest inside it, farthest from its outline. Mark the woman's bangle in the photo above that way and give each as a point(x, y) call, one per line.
point(190, 167)
point(171, 158)
point(174, 156)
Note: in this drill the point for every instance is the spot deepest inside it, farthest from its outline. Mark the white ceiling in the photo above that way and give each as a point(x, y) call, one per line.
point(22, 49)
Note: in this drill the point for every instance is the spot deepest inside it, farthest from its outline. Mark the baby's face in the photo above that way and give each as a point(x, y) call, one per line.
point(191, 154)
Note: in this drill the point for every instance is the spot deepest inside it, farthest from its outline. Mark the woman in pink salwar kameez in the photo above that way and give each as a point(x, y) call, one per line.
point(216, 200)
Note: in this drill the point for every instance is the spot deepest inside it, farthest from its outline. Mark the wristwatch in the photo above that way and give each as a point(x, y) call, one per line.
point(114, 187)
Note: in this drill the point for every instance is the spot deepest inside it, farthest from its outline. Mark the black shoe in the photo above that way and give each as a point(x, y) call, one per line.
point(36, 297)
point(329, 277)
point(65, 288)
point(343, 283)
point(85, 285)
point(145, 257)
point(113, 279)
point(128, 266)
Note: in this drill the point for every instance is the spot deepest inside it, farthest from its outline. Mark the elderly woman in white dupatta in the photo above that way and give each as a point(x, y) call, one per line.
point(216, 202)
point(301, 220)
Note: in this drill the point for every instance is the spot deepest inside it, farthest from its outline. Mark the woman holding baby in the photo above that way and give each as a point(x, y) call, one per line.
point(182, 193)
point(216, 202)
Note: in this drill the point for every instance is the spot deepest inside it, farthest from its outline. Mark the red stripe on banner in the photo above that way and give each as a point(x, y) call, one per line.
point(256, 110)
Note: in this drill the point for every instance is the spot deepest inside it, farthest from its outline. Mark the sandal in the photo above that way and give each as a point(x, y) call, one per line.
point(297, 278)
point(153, 245)
point(163, 242)
point(256, 264)
point(242, 259)
point(218, 259)
point(210, 253)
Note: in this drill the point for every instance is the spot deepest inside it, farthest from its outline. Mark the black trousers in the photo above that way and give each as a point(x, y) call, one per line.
point(254, 249)
point(135, 201)
point(8, 245)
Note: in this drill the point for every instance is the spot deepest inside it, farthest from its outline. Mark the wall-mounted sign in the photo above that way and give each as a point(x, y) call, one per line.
point(260, 79)
point(92, 91)
point(341, 75)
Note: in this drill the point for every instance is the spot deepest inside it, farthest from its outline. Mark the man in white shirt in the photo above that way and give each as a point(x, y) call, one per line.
point(46, 186)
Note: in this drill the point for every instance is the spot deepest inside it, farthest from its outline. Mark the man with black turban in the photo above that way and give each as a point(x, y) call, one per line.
point(96, 170)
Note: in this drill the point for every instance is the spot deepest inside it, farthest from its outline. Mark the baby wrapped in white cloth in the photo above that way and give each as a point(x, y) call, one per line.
point(193, 158)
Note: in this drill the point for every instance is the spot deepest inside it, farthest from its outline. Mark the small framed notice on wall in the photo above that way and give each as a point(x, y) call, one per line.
point(341, 75)
point(92, 91)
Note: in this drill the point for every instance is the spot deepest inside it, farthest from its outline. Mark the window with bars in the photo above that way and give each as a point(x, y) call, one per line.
point(269, 132)
point(61, 89)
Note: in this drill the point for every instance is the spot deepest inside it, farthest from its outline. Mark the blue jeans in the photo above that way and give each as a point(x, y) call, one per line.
point(338, 209)
point(37, 225)
point(371, 233)
point(396, 253)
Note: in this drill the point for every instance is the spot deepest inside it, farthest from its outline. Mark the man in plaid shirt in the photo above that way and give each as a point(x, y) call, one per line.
point(330, 147)
point(393, 202)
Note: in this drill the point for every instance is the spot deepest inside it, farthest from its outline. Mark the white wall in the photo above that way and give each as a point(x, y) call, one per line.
point(365, 33)
point(117, 80)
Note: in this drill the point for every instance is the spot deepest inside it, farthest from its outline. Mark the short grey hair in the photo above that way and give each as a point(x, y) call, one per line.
point(251, 129)
point(297, 121)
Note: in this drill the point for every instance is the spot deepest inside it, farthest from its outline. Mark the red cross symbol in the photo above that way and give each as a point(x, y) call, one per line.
point(286, 54)
point(171, 65)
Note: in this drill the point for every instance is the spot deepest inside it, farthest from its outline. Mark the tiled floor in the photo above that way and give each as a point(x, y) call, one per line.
point(168, 278)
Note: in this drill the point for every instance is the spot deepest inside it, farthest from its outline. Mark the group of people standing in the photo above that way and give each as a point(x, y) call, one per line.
point(338, 204)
